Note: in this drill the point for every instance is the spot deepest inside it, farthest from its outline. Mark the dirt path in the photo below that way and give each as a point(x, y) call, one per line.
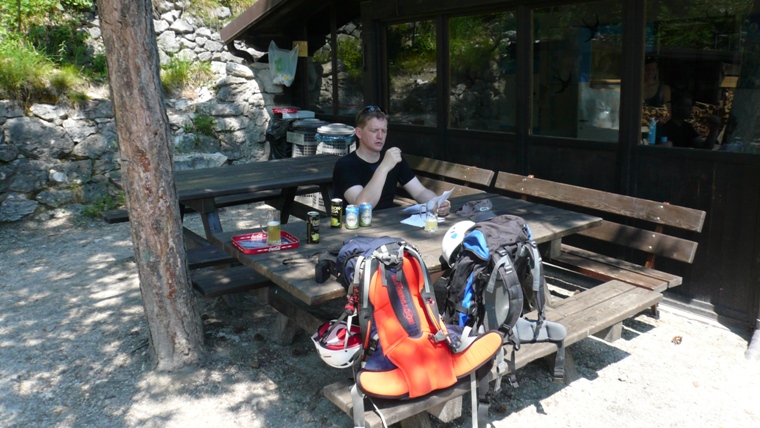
point(73, 346)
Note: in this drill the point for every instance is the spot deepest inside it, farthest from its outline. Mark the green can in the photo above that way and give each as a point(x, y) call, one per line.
point(336, 213)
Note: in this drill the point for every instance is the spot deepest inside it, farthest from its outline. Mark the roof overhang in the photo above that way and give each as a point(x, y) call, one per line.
point(268, 20)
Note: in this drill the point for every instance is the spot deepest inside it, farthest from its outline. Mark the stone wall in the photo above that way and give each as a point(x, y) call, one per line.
point(55, 159)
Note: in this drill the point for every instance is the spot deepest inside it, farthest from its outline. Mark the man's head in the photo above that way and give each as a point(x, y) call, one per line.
point(682, 105)
point(370, 112)
point(371, 128)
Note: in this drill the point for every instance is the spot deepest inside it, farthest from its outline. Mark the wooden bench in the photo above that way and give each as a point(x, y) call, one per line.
point(221, 282)
point(631, 235)
point(598, 311)
point(440, 176)
point(121, 215)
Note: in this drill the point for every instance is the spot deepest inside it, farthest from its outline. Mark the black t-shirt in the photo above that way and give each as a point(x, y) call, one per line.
point(681, 135)
point(351, 170)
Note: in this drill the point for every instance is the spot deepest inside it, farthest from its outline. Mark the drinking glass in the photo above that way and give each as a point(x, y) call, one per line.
point(430, 215)
point(270, 225)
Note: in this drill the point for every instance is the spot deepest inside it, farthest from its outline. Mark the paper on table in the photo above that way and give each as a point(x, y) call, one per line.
point(439, 199)
point(418, 220)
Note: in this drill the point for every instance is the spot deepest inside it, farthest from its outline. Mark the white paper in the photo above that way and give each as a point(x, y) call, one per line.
point(416, 208)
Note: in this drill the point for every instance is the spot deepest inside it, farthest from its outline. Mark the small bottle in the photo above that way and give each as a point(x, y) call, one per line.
point(663, 139)
point(652, 131)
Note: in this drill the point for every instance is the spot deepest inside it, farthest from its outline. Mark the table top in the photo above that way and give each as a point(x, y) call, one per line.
point(253, 177)
point(293, 271)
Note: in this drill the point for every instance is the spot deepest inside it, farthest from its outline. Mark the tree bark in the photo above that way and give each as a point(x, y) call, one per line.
point(175, 329)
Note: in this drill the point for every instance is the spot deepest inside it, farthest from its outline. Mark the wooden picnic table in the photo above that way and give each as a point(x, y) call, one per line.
point(292, 270)
point(199, 188)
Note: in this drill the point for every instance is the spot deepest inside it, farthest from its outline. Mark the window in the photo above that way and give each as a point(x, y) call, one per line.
point(694, 60)
point(412, 73)
point(349, 73)
point(482, 57)
point(576, 71)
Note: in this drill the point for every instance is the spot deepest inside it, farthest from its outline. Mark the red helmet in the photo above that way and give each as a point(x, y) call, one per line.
point(338, 342)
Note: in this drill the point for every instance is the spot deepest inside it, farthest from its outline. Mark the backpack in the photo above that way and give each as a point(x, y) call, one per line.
point(407, 350)
point(495, 278)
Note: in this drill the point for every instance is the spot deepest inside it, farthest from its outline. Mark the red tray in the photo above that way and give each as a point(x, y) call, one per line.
point(256, 243)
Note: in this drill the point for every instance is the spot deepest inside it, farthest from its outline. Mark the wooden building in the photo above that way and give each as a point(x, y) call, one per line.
point(554, 89)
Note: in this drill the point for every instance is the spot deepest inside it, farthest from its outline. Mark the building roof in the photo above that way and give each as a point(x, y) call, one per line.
point(268, 20)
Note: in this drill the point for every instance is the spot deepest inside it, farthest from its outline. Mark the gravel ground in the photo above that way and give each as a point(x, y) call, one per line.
point(73, 344)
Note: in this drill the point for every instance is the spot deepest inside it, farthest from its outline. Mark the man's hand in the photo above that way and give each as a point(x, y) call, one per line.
point(391, 158)
point(444, 209)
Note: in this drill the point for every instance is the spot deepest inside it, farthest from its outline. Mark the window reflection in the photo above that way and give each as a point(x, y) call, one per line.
point(412, 72)
point(482, 52)
point(699, 48)
point(577, 53)
point(349, 72)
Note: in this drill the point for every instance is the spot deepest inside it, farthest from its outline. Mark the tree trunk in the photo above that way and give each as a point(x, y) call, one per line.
point(175, 329)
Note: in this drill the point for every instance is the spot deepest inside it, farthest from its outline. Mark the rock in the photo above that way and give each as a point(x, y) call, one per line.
point(8, 152)
point(163, 6)
point(9, 109)
point(167, 42)
point(37, 139)
point(222, 12)
point(47, 112)
point(55, 198)
point(78, 130)
point(15, 207)
point(170, 16)
point(159, 26)
point(225, 109)
point(94, 146)
point(213, 46)
point(203, 32)
point(181, 26)
point(239, 70)
point(186, 55)
point(199, 160)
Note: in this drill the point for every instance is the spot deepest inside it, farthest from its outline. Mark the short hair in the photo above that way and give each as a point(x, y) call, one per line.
point(650, 59)
point(368, 113)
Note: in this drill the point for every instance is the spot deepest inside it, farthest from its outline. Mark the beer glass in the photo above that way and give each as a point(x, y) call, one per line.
point(270, 225)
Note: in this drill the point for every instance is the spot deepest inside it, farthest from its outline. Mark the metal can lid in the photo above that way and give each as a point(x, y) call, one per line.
point(337, 200)
point(336, 129)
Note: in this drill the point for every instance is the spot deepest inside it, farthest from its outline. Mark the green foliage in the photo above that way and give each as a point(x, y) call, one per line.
point(411, 47)
point(20, 15)
point(63, 43)
point(23, 70)
point(350, 52)
point(203, 124)
point(65, 79)
point(105, 203)
point(204, 10)
point(180, 74)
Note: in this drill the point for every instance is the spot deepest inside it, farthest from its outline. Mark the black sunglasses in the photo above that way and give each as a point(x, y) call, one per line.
point(370, 109)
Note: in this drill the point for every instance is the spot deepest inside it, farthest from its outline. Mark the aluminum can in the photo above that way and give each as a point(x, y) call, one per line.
point(352, 217)
point(365, 214)
point(312, 227)
point(336, 213)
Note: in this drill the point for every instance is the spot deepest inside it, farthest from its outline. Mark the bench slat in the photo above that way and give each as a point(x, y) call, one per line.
point(583, 314)
point(628, 206)
point(218, 282)
point(644, 240)
point(606, 268)
point(468, 174)
point(207, 256)
point(439, 187)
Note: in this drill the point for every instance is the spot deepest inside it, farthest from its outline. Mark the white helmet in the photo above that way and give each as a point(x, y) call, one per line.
point(337, 344)
point(452, 240)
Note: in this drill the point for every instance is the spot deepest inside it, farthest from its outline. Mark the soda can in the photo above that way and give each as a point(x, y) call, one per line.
point(352, 217)
point(336, 213)
point(312, 227)
point(365, 214)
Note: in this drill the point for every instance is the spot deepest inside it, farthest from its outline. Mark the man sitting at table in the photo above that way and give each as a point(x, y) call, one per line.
point(370, 173)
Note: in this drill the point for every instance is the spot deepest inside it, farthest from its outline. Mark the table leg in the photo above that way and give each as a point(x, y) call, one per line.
point(288, 196)
point(325, 190)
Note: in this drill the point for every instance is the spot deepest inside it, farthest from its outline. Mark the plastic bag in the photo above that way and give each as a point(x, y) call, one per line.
point(282, 64)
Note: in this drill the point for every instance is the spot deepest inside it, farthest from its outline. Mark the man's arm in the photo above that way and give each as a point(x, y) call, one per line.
point(422, 194)
point(373, 190)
